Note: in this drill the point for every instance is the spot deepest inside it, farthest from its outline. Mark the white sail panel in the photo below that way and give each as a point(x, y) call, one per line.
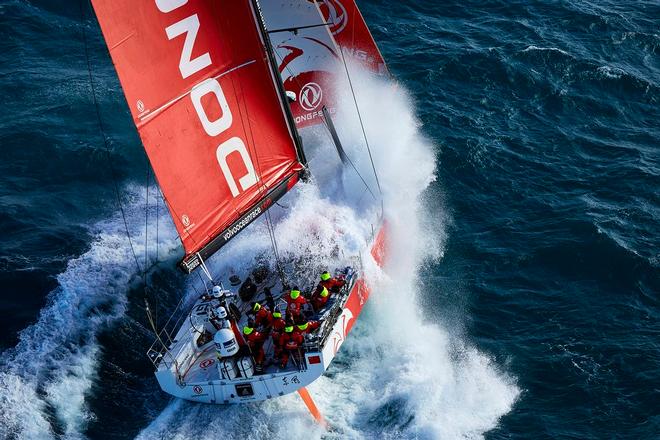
point(307, 56)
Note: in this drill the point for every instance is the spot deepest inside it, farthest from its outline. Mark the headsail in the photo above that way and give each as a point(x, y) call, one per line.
point(307, 56)
point(352, 34)
point(307, 37)
point(209, 108)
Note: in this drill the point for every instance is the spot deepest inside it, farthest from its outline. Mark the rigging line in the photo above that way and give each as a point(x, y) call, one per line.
point(204, 268)
point(327, 126)
point(203, 281)
point(276, 251)
point(364, 133)
point(157, 214)
point(269, 223)
point(146, 227)
point(325, 122)
point(105, 140)
point(288, 69)
point(296, 29)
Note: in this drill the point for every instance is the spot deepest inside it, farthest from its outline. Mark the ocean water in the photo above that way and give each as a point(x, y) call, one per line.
point(519, 156)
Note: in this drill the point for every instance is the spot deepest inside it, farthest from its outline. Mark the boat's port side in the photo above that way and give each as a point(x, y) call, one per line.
point(242, 390)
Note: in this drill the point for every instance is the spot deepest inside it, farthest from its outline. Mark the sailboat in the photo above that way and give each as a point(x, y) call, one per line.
point(221, 93)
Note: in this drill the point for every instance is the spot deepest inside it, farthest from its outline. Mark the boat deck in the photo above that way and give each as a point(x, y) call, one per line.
point(200, 364)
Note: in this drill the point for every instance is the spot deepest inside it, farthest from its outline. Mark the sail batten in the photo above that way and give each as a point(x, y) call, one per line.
point(144, 117)
point(199, 83)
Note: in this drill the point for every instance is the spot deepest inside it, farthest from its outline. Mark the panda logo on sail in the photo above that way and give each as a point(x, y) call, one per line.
point(311, 96)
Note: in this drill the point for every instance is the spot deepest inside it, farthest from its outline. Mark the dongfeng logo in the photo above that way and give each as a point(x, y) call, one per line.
point(337, 15)
point(185, 220)
point(311, 96)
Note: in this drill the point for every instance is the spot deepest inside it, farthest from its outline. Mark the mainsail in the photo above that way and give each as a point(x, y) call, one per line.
point(209, 107)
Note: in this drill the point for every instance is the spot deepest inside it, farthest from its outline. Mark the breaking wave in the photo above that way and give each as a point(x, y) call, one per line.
point(46, 377)
point(400, 374)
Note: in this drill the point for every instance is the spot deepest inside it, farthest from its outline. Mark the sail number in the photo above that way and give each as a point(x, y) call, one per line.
point(209, 87)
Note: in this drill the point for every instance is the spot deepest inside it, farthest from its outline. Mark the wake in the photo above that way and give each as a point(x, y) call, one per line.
point(44, 379)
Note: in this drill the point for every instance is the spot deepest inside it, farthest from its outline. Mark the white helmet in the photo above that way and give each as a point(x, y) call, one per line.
point(217, 291)
point(221, 312)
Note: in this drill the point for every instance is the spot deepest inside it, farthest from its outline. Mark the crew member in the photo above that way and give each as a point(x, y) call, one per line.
point(290, 342)
point(277, 328)
point(262, 316)
point(255, 340)
point(307, 327)
point(333, 284)
point(278, 323)
point(320, 298)
point(295, 301)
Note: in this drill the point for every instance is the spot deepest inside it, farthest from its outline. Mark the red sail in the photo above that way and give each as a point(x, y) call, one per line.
point(308, 57)
point(352, 34)
point(208, 108)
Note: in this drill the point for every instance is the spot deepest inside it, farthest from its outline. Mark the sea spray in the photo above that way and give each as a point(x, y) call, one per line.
point(397, 375)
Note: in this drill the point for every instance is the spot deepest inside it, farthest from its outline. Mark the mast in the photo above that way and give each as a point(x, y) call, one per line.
point(280, 85)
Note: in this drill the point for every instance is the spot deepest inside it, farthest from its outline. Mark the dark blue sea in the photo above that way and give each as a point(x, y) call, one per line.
point(536, 313)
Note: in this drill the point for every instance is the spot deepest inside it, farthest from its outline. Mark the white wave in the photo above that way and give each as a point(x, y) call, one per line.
point(47, 376)
point(611, 72)
point(533, 48)
point(399, 375)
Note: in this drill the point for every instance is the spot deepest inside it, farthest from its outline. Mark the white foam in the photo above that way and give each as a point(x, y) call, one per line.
point(398, 375)
point(533, 48)
point(47, 376)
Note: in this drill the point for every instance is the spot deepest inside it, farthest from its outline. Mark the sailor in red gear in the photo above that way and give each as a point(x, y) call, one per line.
point(262, 316)
point(277, 328)
point(278, 323)
point(332, 284)
point(255, 340)
point(307, 328)
point(295, 301)
point(320, 298)
point(290, 342)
